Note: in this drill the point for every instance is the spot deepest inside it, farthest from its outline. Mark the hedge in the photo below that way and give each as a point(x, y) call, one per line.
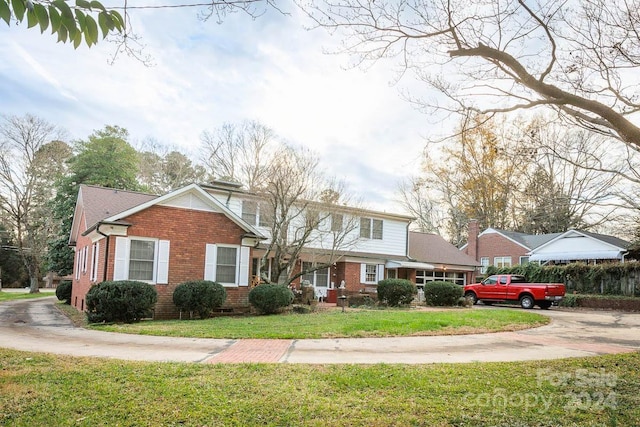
point(607, 278)
point(120, 301)
point(199, 296)
point(270, 298)
point(396, 292)
point(442, 293)
point(63, 291)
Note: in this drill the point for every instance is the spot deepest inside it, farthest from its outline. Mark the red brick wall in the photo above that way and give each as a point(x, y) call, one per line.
point(188, 231)
point(495, 245)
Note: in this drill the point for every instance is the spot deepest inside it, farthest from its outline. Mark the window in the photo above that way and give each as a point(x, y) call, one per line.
point(392, 274)
point(336, 222)
point(141, 258)
point(484, 261)
point(249, 211)
point(318, 278)
point(265, 218)
point(370, 273)
point(524, 260)
point(424, 276)
point(312, 219)
point(502, 261)
point(371, 228)
point(84, 259)
point(365, 228)
point(226, 264)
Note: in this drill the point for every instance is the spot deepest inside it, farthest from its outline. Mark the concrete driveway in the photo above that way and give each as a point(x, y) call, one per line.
point(36, 325)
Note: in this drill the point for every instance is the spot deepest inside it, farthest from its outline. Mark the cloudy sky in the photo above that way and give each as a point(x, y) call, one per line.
point(270, 69)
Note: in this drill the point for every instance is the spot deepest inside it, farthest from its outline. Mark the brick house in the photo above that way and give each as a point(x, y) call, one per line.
point(216, 232)
point(502, 248)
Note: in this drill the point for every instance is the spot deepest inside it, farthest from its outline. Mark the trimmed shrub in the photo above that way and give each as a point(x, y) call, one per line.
point(120, 301)
point(442, 293)
point(270, 298)
point(199, 296)
point(396, 292)
point(63, 291)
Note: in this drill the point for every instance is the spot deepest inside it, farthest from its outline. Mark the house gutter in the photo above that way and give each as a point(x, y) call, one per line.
point(106, 251)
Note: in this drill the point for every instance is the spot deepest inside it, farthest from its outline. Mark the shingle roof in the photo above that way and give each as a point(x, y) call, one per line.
point(433, 249)
point(612, 240)
point(100, 202)
point(529, 241)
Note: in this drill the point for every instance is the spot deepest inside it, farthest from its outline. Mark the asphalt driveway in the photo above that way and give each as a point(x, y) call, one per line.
point(36, 325)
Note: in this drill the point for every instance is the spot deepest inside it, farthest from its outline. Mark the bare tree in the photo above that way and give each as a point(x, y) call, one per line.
point(578, 58)
point(564, 186)
point(162, 169)
point(22, 156)
point(415, 197)
point(306, 216)
point(239, 153)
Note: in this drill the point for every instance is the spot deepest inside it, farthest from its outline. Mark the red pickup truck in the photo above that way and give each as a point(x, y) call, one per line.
point(511, 287)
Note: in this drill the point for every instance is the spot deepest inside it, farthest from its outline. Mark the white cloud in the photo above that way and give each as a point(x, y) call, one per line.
point(270, 69)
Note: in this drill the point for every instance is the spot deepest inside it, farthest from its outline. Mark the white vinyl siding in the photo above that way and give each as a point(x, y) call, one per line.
point(227, 264)
point(141, 259)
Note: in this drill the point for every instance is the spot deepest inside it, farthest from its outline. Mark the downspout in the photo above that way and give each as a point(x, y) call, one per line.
point(106, 252)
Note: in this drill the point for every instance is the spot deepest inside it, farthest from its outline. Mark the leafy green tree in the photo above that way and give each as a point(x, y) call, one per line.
point(106, 159)
point(71, 21)
point(162, 172)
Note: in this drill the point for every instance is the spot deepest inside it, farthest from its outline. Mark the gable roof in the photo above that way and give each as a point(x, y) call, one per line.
point(432, 248)
point(102, 204)
point(527, 241)
point(98, 203)
point(609, 247)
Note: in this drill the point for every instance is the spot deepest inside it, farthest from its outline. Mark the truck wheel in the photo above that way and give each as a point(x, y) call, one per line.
point(545, 305)
point(472, 297)
point(526, 301)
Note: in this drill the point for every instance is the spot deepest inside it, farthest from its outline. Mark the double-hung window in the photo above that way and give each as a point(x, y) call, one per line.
point(371, 228)
point(227, 264)
point(318, 278)
point(250, 211)
point(484, 264)
point(502, 261)
point(371, 273)
point(140, 258)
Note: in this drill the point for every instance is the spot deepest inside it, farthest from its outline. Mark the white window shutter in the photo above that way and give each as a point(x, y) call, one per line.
point(78, 256)
point(363, 273)
point(121, 264)
point(379, 272)
point(163, 262)
point(94, 264)
point(243, 275)
point(210, 263)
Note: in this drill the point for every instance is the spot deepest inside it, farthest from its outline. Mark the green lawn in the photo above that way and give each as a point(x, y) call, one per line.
point(6, 296)
point(334, 323)
point(46, 390)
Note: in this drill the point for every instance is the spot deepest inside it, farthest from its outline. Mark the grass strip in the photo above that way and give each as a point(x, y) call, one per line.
point(335, 324)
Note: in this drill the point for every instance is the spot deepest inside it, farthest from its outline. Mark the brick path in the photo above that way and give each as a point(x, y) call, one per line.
point(252, 351)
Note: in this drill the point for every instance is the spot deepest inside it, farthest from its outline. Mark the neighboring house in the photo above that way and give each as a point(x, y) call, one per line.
point(448, 263)
point(502, 248)
point(217, 232)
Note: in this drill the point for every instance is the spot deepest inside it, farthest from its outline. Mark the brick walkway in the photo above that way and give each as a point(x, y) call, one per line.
point(253, 351)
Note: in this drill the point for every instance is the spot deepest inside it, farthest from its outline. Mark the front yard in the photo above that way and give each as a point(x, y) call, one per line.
point(43, 390)
point(335, 324)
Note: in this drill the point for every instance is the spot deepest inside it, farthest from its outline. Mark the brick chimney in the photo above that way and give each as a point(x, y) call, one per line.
point(472, 239)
